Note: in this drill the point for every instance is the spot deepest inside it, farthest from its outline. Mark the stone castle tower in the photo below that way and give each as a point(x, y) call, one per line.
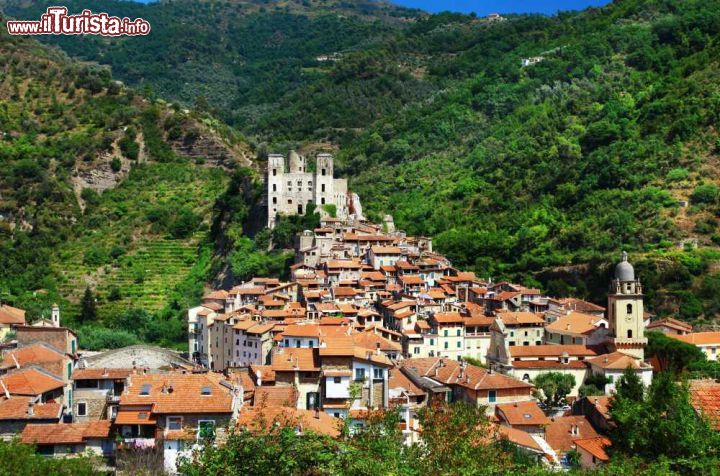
point(625, 311)
point(292, 186)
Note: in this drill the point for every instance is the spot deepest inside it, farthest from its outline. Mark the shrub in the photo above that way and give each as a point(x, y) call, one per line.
point(115, 165)
point(705, 193)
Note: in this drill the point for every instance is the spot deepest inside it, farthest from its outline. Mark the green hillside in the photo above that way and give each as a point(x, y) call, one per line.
point(105, 190)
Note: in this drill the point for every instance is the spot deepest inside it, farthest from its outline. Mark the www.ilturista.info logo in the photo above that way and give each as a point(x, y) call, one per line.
point(57, 22)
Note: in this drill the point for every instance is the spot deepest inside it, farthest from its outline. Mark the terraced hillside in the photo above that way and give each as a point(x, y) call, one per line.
point(131, 250)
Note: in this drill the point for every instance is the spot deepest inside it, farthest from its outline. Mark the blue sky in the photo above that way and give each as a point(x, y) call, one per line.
point(483, 7)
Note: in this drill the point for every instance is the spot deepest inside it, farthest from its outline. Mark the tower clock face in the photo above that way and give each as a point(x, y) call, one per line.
point(628, 318)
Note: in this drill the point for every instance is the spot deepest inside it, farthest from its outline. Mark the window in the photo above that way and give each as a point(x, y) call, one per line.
point(526, 377)
point(174, 423)
point(629, 308)
point(289, 201)
point(432, 341)
point(297, 343)
point(459, 344)
point(378, 373)
point(274, 200)
point(69, 370)
point(336, 414)
point(86, 384)
point(322, 201)
point(337, 379)
point(447, 345)
point(446, 332)
point(274, 172)
point(629, 333)
point(287, 342)
point(322, 188)
point(359, 374)
point(206, 390)
point(145, 389)
point(206, 429)
point(458, 332)
point(274, 187)
point(492, 396)
point(82, 409)
point(322, 172)
point(300, 209)
point(417, 350)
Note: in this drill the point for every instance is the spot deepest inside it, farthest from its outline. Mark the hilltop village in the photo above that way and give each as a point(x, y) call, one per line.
point(371, 319)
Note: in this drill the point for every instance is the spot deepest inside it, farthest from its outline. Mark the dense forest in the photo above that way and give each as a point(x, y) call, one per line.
point(539, 173)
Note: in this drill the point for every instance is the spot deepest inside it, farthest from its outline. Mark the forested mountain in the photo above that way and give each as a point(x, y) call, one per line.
point(235, 57)
point(540, 172)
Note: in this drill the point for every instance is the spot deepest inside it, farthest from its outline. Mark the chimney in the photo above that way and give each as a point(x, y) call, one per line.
point(55, 315)
point(5, 390)
point(105, 372)
point(317, 413)
point(259, 378)
point(31, 409)
point(377, 348)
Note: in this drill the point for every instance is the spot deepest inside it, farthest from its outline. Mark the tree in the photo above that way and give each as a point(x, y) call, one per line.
point(662, 424)
point(88, 310)
point(629, 386)
point(553, 387)
point(18, 458)
point(673, 355)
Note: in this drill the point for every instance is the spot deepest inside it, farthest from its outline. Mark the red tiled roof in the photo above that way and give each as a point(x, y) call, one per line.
point(17, 408)
point(100, 374)
point(31, 354)
point(595, 446)
point(254, 418)
point(522, 414)
point(11, 315)
point(285, 396)
point(179, 393)
point(65, 433)
point(30, 382)
point(559, 433)
point(705, 398)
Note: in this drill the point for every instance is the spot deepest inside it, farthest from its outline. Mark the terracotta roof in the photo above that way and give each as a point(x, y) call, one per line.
point(336, 345)
point(135, 416)
point(31, 354)
point(301, 330)
point(551, 350)
point(100, 373)
point(65, 433)
point(292, 359)
point(575, 304)
point(519, 437)
point(520, 318)
point(343, 264)
point(30, 382)
point(179, 393)
point(575, 323)
point(449, 372)
point(17, 408)
point(399, 381)
point(386, 250)
point(448, 318)
point(559, 433)
point(267, 374)
point(705, 398)
point(670, 323)
point(254, 418)
point(11, 315)
point(505, 295)
point(219, 294)
point(345, 291)
point(478, 321)
point(412, 279)
point(595, 446)
point(254, 291)
point(285, 396)
point(699, 338)
point(522, 414)
point(617, 361)
point(370, 340)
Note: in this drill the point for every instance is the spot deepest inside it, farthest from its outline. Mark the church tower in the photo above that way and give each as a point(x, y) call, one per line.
point(625, 311)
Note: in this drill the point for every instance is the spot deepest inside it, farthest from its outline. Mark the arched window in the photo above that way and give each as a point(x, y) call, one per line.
point(629, 333)
point(526, 377)
point(274, 187)
point(629, 308)
point(274, 172)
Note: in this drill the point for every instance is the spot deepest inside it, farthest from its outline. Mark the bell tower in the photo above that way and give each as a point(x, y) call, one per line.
point(625, 311)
